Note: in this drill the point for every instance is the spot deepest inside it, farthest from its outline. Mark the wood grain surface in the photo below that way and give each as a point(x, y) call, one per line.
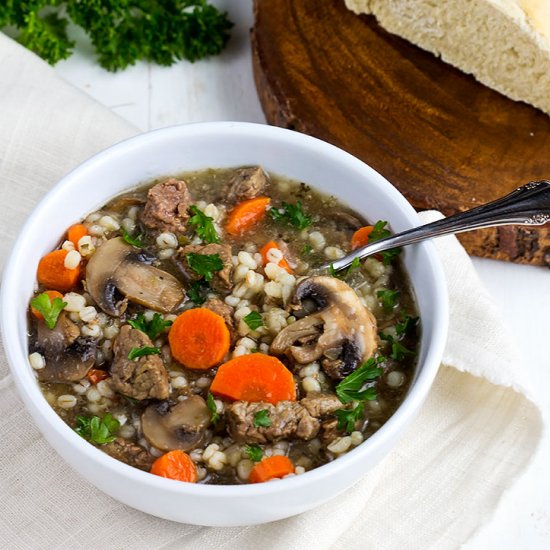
point(444, 140)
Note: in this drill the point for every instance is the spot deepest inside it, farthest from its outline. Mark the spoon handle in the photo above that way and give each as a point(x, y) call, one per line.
point(527, 205)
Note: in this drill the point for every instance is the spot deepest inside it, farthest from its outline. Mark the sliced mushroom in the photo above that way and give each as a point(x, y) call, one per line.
point(117, 266)
point(346, 220)
point(68, 355)
point(181, 426)
point(334, 327)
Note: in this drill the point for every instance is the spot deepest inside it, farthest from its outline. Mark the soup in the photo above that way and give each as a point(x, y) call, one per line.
point(186, 328)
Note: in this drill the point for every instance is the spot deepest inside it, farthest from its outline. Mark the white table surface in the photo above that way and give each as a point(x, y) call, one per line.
point(222, 88)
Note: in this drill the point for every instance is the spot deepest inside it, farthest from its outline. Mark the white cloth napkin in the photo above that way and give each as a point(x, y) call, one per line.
point(474, 436)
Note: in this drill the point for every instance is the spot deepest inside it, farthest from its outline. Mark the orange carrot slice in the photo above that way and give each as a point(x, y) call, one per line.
point(361, 237)
point(266, 248)
point(254, 377)
point(76, 232)
point(52, 272)
point(199, 338)
point(53, 294)
point(175, 465)
point(271, 467)
point(96, 375)
point(246, 214)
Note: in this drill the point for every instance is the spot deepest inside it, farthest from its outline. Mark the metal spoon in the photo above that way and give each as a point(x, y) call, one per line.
point(527, 205)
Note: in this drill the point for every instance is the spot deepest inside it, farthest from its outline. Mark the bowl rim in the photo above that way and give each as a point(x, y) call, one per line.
point(34, 399)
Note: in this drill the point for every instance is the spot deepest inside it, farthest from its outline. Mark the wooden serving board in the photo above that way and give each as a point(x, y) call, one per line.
point(446, 141)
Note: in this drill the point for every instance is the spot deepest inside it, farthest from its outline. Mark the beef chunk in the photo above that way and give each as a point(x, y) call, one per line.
point(288, 419)
point(246, 183)
point(141, 378)
point(222, 309)
point(167, 206)
point(330, 431)
point(129, 453)
point(321, 404)
point(223, 280)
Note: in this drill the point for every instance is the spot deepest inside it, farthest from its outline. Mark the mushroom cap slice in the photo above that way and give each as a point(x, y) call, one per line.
point(335, 320)
point(117, 266)
point(182, 426)
point(68, 355)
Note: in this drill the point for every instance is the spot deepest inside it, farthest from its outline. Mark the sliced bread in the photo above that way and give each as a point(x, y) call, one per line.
point(505, 44)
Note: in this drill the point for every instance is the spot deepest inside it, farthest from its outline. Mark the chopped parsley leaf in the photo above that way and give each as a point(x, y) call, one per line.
point(143, 351)
point(389, 255)
point(351, 388)
point(205, 265)
point(379, 231)
point(398, 350)
point(307, 249)
point(348, 417)
point(211, 403)
point(406, 325)
point(261, 419)
point(197, 292)
point(254, 452)
point(50, 309)
point(342, 274)
point(290, 214)
point(388, 298)
point(203, 225)
point(253, 320)
point(136, 241)
point(152, 328)
point(97, 430)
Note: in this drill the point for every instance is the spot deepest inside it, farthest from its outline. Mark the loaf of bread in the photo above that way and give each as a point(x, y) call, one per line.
point(505, 44)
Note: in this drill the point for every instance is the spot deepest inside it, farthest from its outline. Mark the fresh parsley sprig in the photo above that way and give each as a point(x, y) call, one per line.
point(254, 320)
point(406, 325)
point(398, 350)
point(50, 309)
point(352, 387)
point(261, 419)
point(290, 214)
point(135, 353)
point(205, 265)
point(121, 32)
point(152, 328)
point(347, 418)
point(197, 292)
point(388, 298)
point(254, 452)
point(97, 430)
point(379, 231)
point(211, 403)
point(203, 225)
point(137, 240)
point(344, 273)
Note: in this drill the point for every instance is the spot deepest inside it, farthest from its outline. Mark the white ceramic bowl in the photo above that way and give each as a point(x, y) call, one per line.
point(168, 152)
